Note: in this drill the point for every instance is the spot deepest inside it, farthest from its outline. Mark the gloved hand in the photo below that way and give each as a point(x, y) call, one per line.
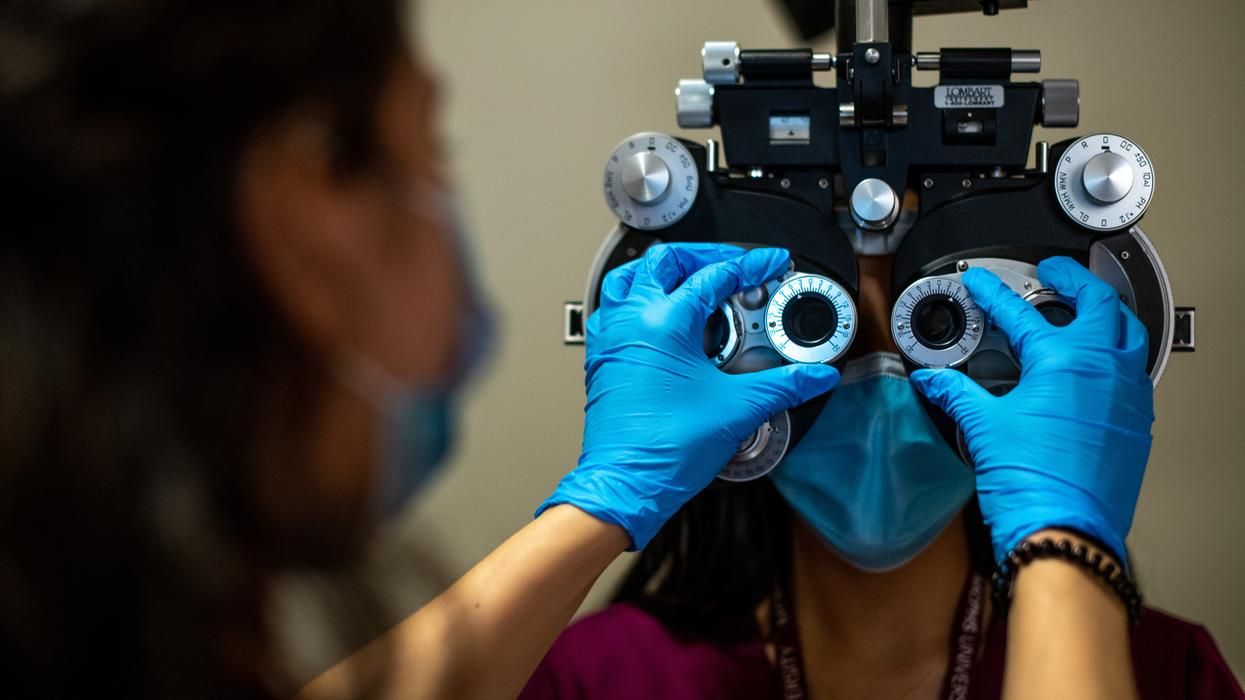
point(1067, 447)
point(661, 420)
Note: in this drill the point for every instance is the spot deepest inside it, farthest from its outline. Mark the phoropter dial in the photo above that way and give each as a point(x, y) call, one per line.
point(796, 317)
point(810, 319)
point(936, 323)
point(761, 452)
point(651, 181)
point(1104, 182)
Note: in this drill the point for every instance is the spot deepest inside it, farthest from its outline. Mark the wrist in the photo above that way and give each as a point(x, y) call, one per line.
point(1078, 527)
point(1055, 565)
point(611, 537)
point(1074, 537)
point(614, 496)
point(1067, 630)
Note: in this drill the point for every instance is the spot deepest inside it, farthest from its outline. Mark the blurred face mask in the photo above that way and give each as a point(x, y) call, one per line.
point(416, 422)
point(873, 476)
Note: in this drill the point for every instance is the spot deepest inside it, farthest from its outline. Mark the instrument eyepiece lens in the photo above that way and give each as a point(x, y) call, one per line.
point(938, 321)
point(717, 333)
point(809, 320)
point(1057, 313)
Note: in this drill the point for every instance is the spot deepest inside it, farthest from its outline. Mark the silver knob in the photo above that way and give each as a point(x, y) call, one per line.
point(645, 177)
point(720, 60)
point(1026, 61)
point(754, 298)
point(693, 103)
point(1108, 177)
point(1103, 181)
point(875, 205)
point(754, 444)
point(1061, 103)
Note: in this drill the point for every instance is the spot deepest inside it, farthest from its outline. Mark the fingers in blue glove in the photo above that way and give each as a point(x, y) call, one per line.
point(1134, 337)
point(617, 283)
point(713, 284)
point(952, 391)
point(1097, 303)
point(785, 387)
point(1019, 320)
point(666, 265)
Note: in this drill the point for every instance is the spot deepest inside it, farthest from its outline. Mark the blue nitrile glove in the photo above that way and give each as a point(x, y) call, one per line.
point(1067, 447)
point(661, 421)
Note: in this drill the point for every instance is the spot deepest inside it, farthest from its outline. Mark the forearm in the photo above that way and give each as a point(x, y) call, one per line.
point(1067, 634)
point(485, 635)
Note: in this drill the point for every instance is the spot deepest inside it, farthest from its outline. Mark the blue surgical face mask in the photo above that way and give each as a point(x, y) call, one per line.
point(873, 476)
point(414, 430)
point(416, 424)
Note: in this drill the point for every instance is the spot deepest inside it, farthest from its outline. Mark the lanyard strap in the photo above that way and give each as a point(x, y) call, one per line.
point(969, 619)
point(786, 640)
point(965, 633)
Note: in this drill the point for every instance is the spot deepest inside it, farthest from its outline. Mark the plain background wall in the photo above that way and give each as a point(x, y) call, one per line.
point(539, 91)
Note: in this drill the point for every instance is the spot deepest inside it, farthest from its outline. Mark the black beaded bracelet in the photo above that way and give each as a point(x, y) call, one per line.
point(1004, 577)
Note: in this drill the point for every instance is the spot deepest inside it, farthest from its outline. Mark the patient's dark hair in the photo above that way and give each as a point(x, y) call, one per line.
point(718, 558)
point(138, 352)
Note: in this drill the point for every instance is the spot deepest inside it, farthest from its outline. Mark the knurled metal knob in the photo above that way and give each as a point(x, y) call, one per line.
point(721, 62)
point(1061, 103)
point(694, 104)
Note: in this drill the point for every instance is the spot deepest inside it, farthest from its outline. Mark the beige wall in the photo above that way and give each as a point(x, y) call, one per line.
point(540, 90)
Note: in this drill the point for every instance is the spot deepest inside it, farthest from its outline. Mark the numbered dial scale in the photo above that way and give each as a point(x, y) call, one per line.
point(935, 323)
point(797, 317)
point(651, 181)
point(810, 319)
point(761, 452)
point(1104, 182)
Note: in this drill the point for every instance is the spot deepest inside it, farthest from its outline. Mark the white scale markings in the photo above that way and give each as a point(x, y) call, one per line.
point(665, 210)
point(901, 323)
point(845, 327)
point(1083, 208)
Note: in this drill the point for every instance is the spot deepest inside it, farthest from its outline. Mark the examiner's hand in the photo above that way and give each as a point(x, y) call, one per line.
point(1067, 447)
point(661, 421)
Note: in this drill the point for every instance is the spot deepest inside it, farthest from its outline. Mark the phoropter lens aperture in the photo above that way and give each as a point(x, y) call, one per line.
point(936, 324)
point(809, 320)
point(1056, 313)
point(938, 321)
point(717, 333)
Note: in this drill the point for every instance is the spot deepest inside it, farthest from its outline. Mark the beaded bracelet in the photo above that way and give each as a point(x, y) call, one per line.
point(1004, 577)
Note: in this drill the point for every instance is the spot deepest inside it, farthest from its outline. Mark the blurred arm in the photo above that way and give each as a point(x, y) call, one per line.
point(483, 637)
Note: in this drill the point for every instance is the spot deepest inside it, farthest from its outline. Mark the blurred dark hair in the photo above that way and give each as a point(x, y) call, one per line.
point(718, 558)
point(142, 367)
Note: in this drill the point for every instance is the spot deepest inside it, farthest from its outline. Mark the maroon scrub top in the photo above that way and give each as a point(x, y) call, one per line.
point(624, 653)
